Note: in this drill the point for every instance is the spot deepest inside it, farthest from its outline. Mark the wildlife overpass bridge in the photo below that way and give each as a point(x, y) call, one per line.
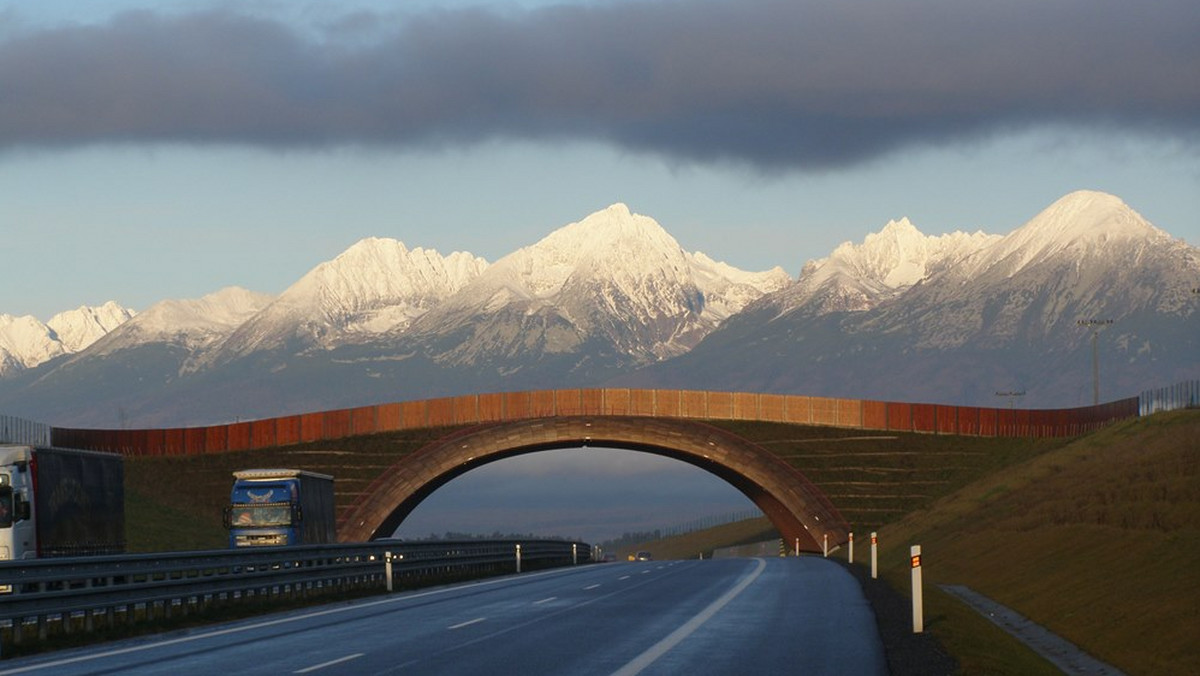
point(468, 431)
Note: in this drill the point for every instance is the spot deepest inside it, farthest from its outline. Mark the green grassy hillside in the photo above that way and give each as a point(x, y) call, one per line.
point(175, 503)
point(1099, 541)
point(877, 477)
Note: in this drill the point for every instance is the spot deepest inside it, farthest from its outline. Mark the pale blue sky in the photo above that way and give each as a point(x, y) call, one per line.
point(140, 211)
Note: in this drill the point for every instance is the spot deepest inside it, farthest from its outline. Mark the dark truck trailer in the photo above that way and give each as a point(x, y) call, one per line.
point(60, 502)
point(275, 507)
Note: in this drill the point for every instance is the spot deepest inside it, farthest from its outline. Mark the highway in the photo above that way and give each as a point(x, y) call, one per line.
point(730, 616)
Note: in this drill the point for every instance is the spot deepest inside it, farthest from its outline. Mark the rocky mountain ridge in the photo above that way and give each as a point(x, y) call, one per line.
point(613, 299)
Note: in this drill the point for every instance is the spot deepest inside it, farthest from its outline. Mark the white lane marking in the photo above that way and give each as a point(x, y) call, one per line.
point(645, 571)
point(662, 647)
point(545, 600)
point(508, 627)
point(623, 577)
point(270, 623)
point(590, 586)
point(330, 663)
point(468, 623)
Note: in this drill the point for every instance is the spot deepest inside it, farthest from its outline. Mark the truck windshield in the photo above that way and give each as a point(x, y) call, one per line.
point(278, 514)
point(6, 506)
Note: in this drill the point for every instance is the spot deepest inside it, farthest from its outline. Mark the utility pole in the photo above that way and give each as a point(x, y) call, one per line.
point(1095, 325)
point(1012, 395)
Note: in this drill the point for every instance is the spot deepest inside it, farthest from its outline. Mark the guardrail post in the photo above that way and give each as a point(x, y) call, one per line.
point(850, 555)
point(518, 558)
point(918, 610)
point(387, 569)
point(874, 556)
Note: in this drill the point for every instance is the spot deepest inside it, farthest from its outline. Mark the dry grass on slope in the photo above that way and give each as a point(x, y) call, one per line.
point(1098, 541)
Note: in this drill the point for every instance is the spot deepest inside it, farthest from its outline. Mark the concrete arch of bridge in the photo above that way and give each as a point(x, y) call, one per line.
point(797, 509)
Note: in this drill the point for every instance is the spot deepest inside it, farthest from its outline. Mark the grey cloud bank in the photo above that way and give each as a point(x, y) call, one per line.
point(769, 84)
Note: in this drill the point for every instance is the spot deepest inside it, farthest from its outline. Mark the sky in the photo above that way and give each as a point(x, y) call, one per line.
point(168, 149)
point(624, 492)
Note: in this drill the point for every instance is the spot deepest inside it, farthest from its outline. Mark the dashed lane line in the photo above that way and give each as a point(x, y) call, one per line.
point(637, 664)
point(330, 663)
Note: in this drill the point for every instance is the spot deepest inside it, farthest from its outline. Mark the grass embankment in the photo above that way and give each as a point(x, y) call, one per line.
point(875, 478)
point(1097, 541)
point(175, 503)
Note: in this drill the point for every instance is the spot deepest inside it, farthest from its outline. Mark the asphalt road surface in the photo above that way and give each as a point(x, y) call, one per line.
point(730, 616)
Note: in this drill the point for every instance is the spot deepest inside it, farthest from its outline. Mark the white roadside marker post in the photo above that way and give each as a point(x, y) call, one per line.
point(918, 610)
point(825, 545)
point(797, 546)
point(874, 556)
point(850, 557)
point(574, 554)
point(387, 569)
point(518, 558)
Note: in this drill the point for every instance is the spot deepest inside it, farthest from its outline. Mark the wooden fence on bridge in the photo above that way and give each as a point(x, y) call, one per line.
point(512, 406)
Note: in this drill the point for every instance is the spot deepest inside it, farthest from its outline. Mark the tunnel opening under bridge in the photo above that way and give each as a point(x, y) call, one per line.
point(797, 509)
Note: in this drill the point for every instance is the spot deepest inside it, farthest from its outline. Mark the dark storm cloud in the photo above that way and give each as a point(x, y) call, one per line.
point(800, 83)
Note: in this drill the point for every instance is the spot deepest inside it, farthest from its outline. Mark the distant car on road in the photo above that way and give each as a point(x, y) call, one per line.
point(643, 556)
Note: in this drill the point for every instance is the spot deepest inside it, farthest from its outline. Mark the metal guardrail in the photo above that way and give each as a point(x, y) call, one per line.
point(69, 589)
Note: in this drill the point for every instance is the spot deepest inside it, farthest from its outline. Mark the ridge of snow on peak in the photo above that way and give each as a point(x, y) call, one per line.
point(1087, 255)
point(855, 277)
point(613, 242)
point(375, 286)
point(26, 342)
point(634, 257)
point(77, 329)
point(615, 276)
point(1082, 224)
point(217, 312)
point(379, 273)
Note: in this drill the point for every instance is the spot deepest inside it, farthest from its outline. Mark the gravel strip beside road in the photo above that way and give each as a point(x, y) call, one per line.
point(908, 654)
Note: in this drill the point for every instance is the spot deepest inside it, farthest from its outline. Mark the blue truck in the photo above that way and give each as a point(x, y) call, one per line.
point(280, 507)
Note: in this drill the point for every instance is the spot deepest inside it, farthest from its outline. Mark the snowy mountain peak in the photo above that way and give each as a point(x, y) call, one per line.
point(899, 255)
point(614, 277)
point(375, 286)
point(26, 342)
point(613, 242)
point(1081, 225)
point(378, 272)
point(856, 277)
point(1084, 216)
point(217, 312)
point(76, 329)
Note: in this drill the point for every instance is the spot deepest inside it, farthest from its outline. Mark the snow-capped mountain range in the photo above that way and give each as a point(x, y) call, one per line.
point(614, 299)
point(26, 342)
point(989, 314)
point(615, 277)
